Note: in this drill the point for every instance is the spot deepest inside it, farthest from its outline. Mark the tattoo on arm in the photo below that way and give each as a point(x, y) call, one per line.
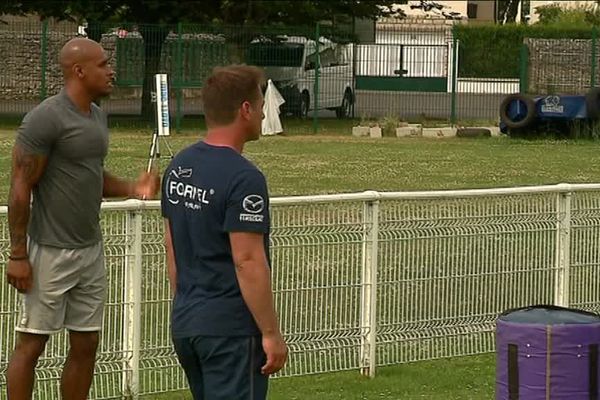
point(27, 169)
point(29, 166)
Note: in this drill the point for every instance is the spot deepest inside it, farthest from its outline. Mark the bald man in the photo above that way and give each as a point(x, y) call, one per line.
point(56, 257)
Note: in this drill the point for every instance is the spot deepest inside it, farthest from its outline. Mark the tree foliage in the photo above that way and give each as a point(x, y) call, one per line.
point(554, 15)
point(300, 12)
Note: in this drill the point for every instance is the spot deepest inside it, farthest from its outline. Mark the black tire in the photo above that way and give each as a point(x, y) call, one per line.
point(592, 103)
point(530, 113)
point(473, 132)
point(304, 105)
point(345, 110)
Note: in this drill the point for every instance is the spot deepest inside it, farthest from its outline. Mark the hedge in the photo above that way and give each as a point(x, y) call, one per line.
point(493, 51)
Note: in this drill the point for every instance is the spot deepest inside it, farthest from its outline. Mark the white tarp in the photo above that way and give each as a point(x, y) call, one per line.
point(271, 124)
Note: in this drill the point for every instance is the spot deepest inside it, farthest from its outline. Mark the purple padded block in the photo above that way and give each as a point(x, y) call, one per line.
point(547, 352)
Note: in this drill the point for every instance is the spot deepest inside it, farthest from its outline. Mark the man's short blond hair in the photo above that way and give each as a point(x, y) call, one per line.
point(227, 88)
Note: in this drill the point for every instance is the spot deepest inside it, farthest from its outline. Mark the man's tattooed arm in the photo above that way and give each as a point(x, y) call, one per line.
point(27, 169)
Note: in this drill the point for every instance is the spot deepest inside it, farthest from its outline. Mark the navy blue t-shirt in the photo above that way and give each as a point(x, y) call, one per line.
point(207, 192)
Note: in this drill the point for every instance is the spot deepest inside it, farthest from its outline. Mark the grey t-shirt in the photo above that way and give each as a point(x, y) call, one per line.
point(66, 200)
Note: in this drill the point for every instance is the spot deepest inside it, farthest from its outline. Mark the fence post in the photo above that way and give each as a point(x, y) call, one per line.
point(563, 247)
point(179, 81)
point(317, 77)
point(44, 56)
point(132, 308)
point(368, 293)
point(524, 69)
point(454, 77)
point(594, 57)
point(355, 44)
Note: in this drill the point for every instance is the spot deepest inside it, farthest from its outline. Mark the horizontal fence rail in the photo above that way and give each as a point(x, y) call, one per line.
point(361, 280)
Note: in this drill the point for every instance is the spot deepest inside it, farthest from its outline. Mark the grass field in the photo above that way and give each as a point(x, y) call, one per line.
point(334, 162)
point(469, 378)
point(324, 163)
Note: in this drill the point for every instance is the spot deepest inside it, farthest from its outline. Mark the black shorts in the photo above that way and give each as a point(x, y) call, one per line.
point(223, 368)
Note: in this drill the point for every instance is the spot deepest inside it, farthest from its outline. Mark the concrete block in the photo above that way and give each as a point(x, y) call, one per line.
point(418, 128)
point(360, 131)
point(408, 131)
point(495, 130)
point(439, 132)
point(375, 132)
point(473, 132)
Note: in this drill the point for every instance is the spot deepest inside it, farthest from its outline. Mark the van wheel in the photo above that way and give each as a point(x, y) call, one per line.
point(304, 105)
point(345, 110)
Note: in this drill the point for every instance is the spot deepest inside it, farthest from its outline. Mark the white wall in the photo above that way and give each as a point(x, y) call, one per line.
point(457, 6)
point(485, 11)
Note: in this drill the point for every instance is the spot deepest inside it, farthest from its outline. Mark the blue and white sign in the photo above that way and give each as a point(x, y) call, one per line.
point(551, 104)
point(162, 104)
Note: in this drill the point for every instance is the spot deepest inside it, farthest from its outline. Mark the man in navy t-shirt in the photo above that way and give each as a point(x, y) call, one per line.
point(216, 208)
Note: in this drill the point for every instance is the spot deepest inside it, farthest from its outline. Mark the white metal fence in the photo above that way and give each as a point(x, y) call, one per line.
point(361, 280)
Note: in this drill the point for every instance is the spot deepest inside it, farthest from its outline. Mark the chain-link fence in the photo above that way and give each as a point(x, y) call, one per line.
point(390, 69)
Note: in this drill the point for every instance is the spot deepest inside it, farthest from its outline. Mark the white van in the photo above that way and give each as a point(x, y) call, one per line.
point(290, 62)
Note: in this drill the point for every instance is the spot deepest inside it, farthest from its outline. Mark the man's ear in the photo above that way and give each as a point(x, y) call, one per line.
point(78, 70)
point(246, 110)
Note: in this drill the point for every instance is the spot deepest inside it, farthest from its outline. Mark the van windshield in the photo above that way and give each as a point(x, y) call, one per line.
point(275, 54)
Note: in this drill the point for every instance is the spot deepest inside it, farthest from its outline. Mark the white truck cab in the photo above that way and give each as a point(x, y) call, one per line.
point(291, 63)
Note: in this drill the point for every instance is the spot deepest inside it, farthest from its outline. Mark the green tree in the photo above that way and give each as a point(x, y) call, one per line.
point(156, 18)
point(583, 16)
point(95, 12)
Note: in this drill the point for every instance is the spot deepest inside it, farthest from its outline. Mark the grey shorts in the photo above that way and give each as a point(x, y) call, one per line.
point(69, 290)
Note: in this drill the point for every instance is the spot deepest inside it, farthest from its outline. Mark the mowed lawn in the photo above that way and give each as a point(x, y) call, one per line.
point(318, 164)
point(335, 162)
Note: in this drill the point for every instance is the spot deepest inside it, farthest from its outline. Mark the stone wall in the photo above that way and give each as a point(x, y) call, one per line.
point(22, 66)
point(561, 66)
